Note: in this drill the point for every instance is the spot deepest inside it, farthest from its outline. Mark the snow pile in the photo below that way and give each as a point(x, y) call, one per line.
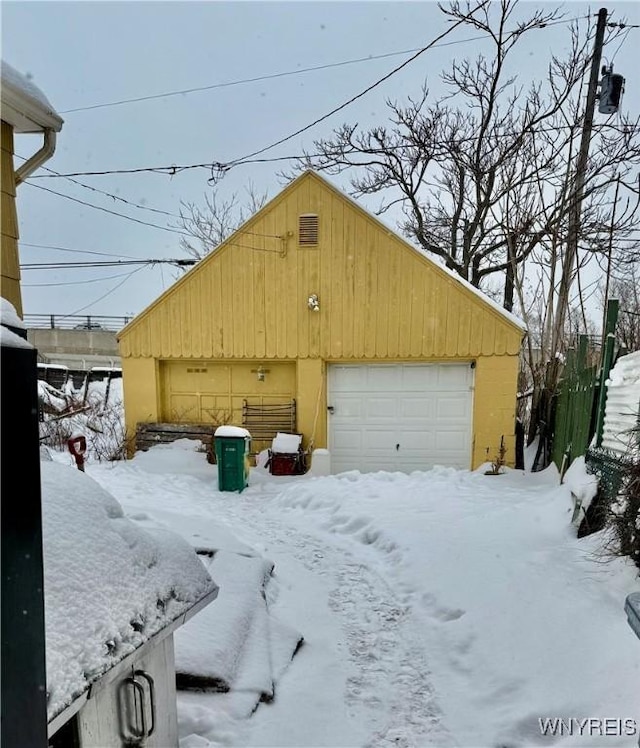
point(8, 315)
point(583, 485)
point(109, 585)
point(9, 321)
point(236, 645)
point(438, 608)
point(622, 411)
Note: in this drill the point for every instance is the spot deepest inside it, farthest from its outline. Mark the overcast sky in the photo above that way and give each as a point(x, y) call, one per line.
point(82, 54)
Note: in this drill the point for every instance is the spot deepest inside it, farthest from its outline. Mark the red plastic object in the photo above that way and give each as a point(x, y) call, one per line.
point(281, 463)
point(78, 446)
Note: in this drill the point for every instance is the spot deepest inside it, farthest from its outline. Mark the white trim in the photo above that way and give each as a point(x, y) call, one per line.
point(24, 106)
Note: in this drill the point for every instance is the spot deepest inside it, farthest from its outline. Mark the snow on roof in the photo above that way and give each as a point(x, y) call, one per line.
point(9, 316)
point(9, 339)
point(109, 584)
point(24, 105)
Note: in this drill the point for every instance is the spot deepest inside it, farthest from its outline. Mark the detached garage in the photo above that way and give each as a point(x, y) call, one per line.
point(315, 317)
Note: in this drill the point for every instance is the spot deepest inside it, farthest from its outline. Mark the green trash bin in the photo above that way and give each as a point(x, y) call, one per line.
point(232, 456)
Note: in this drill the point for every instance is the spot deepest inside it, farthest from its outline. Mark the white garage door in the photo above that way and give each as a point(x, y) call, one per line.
point(399, 417)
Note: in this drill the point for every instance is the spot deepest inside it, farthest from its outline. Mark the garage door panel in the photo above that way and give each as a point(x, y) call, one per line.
point(420, 378)
point(419, 441)
point(378, 440)
point(404, 417)
point(382, 378)
point(451, 377)
point(350, 439)
point(347, 407)
point(381, 408)
point(452, 409)
point(419, 408)
point(348, 379)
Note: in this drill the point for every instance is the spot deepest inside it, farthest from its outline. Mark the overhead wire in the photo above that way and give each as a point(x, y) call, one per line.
point(108, 293)
point(173, 170)
point(335, 110)
point(297, 71)
point(75, 283)
point(103, 192)
point(107, 210)
point(178, 262)
point(221, 166)
point(77, 251)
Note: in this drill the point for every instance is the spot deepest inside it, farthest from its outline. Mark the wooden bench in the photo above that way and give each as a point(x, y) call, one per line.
point(263, 421)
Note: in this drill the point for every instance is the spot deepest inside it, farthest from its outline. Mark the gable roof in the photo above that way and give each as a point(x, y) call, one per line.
point(309, 174)
point(430, 257)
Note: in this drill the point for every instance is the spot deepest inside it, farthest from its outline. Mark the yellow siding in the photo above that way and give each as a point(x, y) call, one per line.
point(312, 401)
point(246, 305)
point(378, 296)
point(494, 408)
point(141, 392)
point(10, 280)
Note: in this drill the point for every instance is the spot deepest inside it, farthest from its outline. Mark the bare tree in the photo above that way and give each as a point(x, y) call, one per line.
point(210, 225)
point(624, 285)
point(484, 175)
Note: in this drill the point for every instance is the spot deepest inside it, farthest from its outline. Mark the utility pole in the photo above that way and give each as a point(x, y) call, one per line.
point(552, 374)
point(575, 201)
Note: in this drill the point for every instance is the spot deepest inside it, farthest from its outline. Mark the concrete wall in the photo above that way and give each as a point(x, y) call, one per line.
point(76, 348)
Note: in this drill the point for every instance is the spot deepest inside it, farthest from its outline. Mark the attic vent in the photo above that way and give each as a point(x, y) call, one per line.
point(308, 230)
point(196, 371)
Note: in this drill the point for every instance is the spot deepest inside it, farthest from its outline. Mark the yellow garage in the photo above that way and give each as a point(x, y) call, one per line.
point(315, 317)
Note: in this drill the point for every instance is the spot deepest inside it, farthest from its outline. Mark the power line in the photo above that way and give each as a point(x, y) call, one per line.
point(107, 194)
point(115, 263)
point(75, 283)
point(298, 71)
point(78, 251)
point(350, 101)
point(224, 166)
point(173, 170)
point(108, 293)
point(106, 210)
point(257, 79)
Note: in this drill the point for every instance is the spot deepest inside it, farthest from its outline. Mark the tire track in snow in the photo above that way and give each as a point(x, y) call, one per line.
point(390, 687)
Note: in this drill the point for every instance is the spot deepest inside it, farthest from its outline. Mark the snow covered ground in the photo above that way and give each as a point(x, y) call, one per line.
point(445, 608)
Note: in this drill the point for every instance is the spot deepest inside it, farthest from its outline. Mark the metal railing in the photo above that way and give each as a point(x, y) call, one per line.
point(94, 322)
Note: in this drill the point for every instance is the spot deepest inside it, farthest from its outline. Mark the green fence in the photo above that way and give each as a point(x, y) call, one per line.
point(574, 409)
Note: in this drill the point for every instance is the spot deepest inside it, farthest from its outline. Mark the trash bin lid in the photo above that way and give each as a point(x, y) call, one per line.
point(236, 431)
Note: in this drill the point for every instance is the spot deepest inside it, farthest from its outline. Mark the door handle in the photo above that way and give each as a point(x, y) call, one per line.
point(134, 725)
point(330, 408)
point(397, 447)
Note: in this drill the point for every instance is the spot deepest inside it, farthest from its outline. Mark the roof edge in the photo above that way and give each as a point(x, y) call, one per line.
point(311, 174)
point(24, 106)
point(509, 316)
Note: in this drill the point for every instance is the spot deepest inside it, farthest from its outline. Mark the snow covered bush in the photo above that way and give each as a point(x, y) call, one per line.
point(95, 412)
